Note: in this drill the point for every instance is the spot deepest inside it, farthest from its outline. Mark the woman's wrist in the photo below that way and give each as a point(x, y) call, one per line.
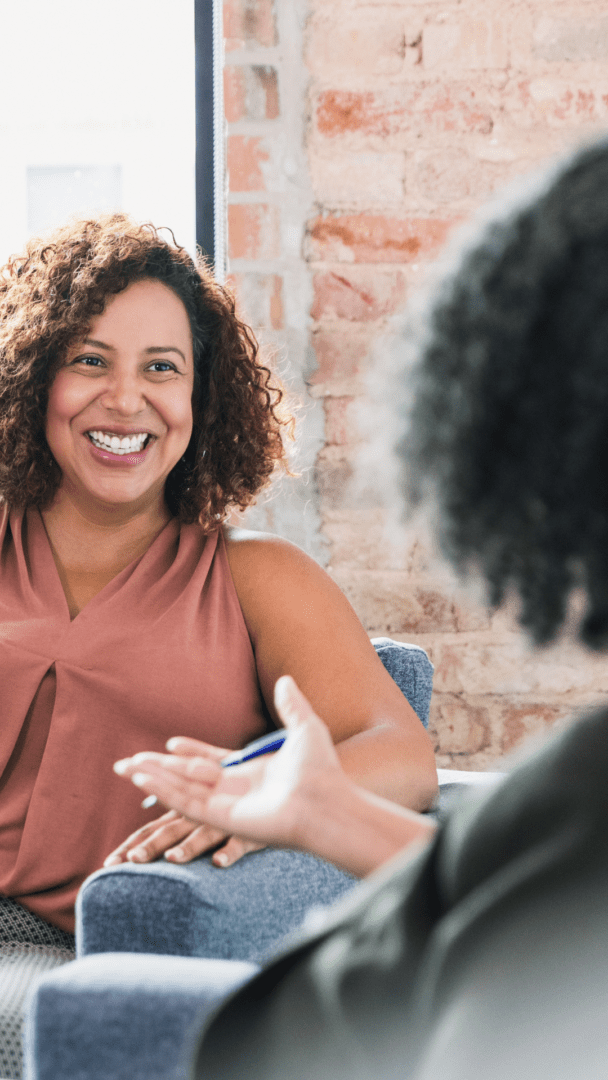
point(355, 829)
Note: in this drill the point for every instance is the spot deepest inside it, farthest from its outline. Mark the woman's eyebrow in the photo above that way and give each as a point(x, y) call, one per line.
point(153, 349)
point(98, 344)
point(167, 348)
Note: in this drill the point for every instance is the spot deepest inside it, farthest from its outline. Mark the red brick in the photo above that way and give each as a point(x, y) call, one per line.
point(369, 238)
point(388, 602)
point(458, 727)
point(260, 299)
point(465, 44)
point(446, 176)
point(364, 40)
point(470, 616)
point(366, 538)
point(358, 295)
point(253, 231)
point(541, 101)
point(366, 178)
point(341, 354)
point(386, 113)
point(245, 157)
point(339, 426)
point(518, 721)
point(251, 92)
point(249, 23)
point(276, 303)
point(573, 40)
point(500, 664)
point(332, 474)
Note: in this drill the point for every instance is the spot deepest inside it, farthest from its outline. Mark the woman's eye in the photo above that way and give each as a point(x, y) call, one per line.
point(88, 361)
point(161, 366)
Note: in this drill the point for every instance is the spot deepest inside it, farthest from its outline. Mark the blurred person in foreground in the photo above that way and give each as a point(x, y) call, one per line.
point(478, 949)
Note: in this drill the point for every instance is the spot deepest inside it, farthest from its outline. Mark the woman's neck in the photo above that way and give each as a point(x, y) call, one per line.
point(100, 540)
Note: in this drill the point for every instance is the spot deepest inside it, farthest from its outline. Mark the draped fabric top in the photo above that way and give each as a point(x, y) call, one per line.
point(161, 650)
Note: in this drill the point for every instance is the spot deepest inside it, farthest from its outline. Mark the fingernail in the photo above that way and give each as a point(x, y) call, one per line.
point(141, 779)
point(149, 801)
point(172, 743)
point(112, 860)
point(220, 859)
point(176, 854)
point(138, 854)
point(120, 767)
point(282, 692)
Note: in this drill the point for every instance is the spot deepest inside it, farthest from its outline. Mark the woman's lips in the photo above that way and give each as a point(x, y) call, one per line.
point(119, 460)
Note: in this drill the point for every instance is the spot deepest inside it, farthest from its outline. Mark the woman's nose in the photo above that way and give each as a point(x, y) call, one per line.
point(124, 394)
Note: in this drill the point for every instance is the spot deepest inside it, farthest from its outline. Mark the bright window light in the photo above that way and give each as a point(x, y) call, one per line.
point(98, 114)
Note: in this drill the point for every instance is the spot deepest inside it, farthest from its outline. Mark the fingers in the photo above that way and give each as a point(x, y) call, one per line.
point(150, 846)
point(298, 715)
point(186, 747)
point(291, 705)
point(162, 840)
point(119, 854)
point(233, 850)
point(195, 843)
point(184, 793)
point(201, 769)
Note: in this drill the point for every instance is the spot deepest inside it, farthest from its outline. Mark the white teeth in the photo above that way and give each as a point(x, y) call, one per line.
point(127, 445)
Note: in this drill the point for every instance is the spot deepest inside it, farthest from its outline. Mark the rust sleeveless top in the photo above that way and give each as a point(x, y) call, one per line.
point(162, 650)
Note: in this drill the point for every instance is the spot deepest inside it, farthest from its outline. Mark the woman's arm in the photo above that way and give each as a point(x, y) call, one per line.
point(301, 625)
point(299, 798)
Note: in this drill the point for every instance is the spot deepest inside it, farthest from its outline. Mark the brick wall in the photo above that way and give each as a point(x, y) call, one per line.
point(269, 202)
point(359, 133)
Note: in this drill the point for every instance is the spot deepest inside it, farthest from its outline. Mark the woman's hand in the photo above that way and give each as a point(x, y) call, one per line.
point(180, 841)
point(175, 836)
point(298, 798)
point(267, 799)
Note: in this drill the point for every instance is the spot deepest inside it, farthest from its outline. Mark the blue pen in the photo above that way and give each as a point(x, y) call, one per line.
point(265, 745)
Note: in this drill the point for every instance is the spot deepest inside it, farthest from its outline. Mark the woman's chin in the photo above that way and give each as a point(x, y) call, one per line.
point(130, 497)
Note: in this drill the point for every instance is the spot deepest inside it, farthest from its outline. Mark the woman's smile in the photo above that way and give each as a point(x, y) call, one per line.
point(120, 407)
point(114, 444)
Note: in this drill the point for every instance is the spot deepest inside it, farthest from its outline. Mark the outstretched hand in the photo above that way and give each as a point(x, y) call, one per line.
point(263, 800)
point(175, 836)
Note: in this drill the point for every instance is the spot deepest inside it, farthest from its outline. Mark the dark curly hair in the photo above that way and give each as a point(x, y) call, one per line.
point(509, 428)
point(48, 297)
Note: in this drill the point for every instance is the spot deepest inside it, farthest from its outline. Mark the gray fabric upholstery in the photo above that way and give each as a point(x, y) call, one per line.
point(124, 1017)
point(411, 669)
point(203, 910)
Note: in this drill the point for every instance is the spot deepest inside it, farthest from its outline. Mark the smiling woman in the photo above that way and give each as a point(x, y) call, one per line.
point(134, 415)
point(114, 403)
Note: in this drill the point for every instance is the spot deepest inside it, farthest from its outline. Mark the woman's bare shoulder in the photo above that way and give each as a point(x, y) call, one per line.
point(270, 573)
point(264, 552)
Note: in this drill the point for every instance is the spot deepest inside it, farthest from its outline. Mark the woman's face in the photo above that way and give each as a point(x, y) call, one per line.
point(120, 406)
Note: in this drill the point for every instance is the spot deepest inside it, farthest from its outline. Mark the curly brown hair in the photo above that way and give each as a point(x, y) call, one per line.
point(48, 297)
